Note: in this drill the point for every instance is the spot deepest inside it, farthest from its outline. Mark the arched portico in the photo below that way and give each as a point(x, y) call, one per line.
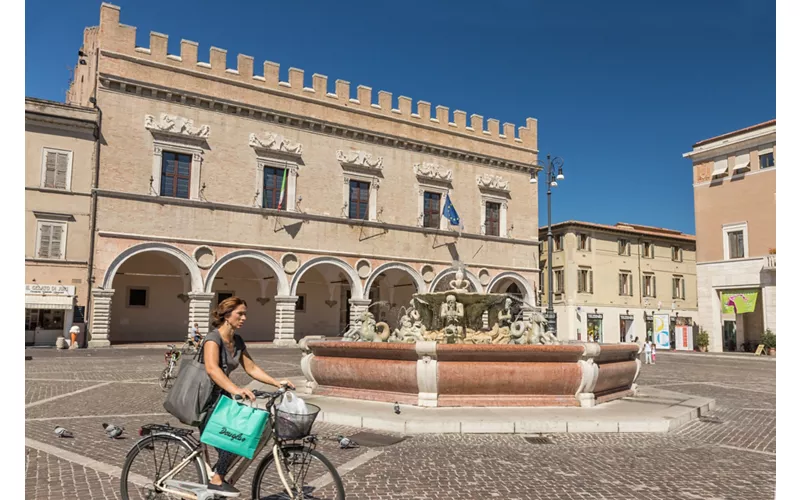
point(392, 285)
point(440, 281)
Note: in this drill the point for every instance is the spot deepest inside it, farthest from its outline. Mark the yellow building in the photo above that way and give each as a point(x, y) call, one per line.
point(218, 180)
point(60, 159)
point(609, 281)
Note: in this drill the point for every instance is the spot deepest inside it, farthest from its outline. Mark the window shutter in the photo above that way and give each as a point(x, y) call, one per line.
point(654, 286)
point(588, 246)
point(580, 282)
point(683, 289)
point(62, 162)
point(591, 285)
point(55, 242)
point(621, 286)
point(44, 240)
point(50, 169)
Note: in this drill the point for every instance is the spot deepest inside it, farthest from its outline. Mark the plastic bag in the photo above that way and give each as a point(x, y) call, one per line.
point(293, 404)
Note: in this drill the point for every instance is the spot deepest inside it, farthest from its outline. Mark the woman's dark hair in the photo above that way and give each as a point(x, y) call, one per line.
point(225, 308)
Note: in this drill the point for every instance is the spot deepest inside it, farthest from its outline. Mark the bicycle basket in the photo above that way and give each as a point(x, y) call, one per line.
point(295, 425)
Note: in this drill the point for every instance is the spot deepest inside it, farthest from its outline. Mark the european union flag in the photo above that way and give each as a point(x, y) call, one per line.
point(449, 212)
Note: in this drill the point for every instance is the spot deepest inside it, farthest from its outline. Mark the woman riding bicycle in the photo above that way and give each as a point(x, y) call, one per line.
point(225, 344)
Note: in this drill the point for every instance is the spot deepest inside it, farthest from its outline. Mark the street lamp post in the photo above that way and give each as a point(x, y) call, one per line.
point(552, 178)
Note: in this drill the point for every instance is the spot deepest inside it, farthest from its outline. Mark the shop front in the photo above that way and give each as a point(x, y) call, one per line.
point(594, 327)
point(626, 328)
point(49, 313)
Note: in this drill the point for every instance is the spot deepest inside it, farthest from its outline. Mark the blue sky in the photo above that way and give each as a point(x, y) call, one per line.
point(621, 89)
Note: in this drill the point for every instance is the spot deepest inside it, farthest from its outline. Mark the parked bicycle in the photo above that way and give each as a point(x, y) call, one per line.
point(190, 347)
point(170, 462)
point(170, 373)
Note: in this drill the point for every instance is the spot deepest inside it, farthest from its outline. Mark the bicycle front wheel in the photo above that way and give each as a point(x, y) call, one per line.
point(152, 458)
point(166, 379)
point(308, 473)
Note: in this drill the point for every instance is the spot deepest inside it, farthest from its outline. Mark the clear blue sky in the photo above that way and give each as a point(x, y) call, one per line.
point(621, 89)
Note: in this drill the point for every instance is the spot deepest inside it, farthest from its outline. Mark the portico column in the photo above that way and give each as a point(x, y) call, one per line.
point(101, 318)
point(284, 320)
point(357, 309)
point(199, 311)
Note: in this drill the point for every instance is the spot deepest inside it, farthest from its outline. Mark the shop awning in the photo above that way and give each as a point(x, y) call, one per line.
point(720, 167)
point(49, 302)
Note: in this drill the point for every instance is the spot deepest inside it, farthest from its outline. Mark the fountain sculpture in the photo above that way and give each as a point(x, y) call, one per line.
point(456, 316)
point(445, 353)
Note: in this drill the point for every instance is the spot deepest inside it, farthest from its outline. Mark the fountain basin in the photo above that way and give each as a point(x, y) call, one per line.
point(429, 374)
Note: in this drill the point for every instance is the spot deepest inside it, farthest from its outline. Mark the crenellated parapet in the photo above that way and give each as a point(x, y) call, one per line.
point(121, 39)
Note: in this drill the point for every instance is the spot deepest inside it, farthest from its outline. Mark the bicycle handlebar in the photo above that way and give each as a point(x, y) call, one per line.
point(265, 394)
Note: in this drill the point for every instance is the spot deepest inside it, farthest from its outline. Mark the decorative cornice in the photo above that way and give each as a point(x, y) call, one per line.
point(359, 159)
point(433, 171)
point(272, 141)
point(492, 181)
point(122, 85)
point(176, 125)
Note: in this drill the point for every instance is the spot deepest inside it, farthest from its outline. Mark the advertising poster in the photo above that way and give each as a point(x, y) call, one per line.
point(661, 331)
point(683, 338)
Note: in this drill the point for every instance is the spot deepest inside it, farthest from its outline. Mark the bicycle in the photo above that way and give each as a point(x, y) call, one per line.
point(189, 346)
point(170, 373)
point(292, 445)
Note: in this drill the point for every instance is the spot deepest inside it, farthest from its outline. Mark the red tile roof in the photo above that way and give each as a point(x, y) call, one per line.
point(736, 132)
point(626, 228)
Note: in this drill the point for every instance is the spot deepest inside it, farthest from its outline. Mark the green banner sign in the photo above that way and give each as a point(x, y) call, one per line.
point(739, 302)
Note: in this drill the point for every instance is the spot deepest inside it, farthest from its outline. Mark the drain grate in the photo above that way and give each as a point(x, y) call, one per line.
point(373, 440)
point(539, 440)
point(710, 420)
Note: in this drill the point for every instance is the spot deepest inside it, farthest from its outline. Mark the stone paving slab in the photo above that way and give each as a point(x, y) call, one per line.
point(652, 410)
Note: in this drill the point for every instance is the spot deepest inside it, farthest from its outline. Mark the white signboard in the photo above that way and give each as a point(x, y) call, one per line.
point(49, 290)
point(661, 331)
point(683, 338)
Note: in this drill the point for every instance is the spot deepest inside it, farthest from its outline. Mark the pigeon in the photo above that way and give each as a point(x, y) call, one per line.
point(345, 442)
point(397, 408)
point(62, 432)
point(113, 431)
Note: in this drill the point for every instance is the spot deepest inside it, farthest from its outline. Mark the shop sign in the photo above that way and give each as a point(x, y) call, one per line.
point(626, 317)
point(594, 315)
point(49, 290)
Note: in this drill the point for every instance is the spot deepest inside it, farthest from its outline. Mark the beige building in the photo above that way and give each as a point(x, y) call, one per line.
point(60, 154)
point(609, 281)
point(734, 202)
point(306, 199)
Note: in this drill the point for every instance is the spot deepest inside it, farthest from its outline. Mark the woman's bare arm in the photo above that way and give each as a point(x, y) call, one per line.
point(257, 373)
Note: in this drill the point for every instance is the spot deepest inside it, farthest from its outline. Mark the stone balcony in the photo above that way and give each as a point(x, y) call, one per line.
point(770, 261)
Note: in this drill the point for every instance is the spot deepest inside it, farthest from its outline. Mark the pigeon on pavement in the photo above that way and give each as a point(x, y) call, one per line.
point(345, 442)
point(62, 432)
point(113, 431)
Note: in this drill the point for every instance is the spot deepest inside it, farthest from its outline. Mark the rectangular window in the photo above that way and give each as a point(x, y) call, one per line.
point(649, 285)
point(766, 159)
point(359, 199)
point(625, 284)
point(647, 250)
point(176, 169)
point(51, 239)
point(273, 181)
point(558, 281)
point(584, 243)
point(677, 254)
point(431, 209)
point(137, 297)
point(56, 169)
point(492, 222)
point(300, 305)
point(736, 244)
point(558, 242)
point(678, 288)
point(585, 284)
point(51, 319)
point(624, 247)
point(223, 296)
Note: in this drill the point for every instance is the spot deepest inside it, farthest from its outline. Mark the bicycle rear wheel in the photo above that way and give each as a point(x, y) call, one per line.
point(165, 380)
point(150, 459)
point(314, 476)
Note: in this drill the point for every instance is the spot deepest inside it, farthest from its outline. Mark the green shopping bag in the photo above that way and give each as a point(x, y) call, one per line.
point(235, 427)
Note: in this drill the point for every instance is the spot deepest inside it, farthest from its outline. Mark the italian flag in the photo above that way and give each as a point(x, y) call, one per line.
point(283, 190)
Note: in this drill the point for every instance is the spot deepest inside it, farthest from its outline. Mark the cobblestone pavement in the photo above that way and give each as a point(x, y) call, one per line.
point(730, 455)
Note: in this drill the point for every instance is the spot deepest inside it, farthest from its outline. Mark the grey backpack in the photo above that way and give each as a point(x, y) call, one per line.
point(191, 395)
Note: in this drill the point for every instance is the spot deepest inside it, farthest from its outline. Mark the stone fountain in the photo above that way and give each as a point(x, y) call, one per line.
point(444, 353)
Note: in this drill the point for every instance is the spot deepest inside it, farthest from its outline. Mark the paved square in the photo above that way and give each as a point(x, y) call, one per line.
point(728, 456)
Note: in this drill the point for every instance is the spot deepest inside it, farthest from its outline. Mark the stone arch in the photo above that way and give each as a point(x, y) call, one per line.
point(517, 278)
point(415, 276)
point(356, 290)
point(283, 283)
point(191, 266)
point(451, 270)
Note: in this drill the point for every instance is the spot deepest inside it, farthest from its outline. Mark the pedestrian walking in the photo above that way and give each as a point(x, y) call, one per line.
point(648, 352)
point(653, 348)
